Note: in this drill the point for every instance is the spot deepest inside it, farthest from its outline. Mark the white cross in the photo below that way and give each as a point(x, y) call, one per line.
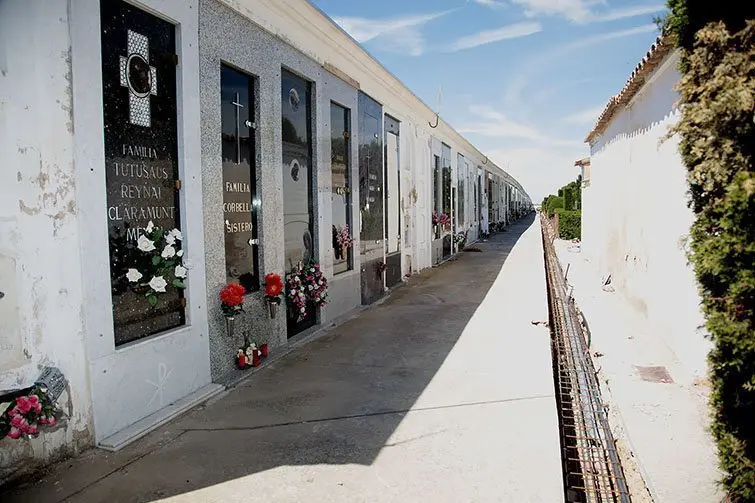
point(163, 373)
point(139, 77)
point(238, 106)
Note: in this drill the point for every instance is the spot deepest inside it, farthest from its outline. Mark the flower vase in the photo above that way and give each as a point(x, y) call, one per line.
point(241, 361)
point(230, 325)
point(264, 350)
point(255, 358)
point(273, 308)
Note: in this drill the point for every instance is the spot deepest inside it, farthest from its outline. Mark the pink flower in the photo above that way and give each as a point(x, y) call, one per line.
point(36, 404)
point(13, 412)
point(51, 420)
point(23, 404)
point(14, 433)
point(42, 420)
point(32, 429)
point(18, 421)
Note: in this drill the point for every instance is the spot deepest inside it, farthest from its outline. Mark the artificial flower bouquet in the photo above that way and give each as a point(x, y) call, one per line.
point(441, 219)
point(344, 239)
point(158, 262)
point(273, 287)
point(27, 414)
point(232, 299)
point(306, 284)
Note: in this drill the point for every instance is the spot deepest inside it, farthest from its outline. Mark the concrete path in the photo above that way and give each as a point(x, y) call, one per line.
point(443, 393)
point(663, 424)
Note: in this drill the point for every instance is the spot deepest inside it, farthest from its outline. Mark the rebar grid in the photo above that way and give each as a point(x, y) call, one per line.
point(592, 469)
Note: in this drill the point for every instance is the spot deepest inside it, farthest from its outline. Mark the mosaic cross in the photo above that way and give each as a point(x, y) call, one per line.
point(139, 77)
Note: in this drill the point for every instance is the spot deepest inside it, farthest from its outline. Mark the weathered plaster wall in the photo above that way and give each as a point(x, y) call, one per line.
point(636, 221)
point(40, 265)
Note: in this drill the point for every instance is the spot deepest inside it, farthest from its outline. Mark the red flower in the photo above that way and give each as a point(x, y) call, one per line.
point(23, 404)
point(273, 285)
point(233, 294)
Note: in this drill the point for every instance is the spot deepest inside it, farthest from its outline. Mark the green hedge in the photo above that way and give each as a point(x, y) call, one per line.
point(569, 224)
point(554, 203)
point(717, 144)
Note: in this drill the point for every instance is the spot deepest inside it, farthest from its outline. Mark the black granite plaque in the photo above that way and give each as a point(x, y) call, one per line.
point(240, 201)
point(139, 106)
point(298, 210)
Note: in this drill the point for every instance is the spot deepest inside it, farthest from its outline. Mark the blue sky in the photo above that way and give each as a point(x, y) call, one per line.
point(523, 80)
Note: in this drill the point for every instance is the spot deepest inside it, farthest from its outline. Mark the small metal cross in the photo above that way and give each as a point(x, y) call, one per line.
point(238, 106)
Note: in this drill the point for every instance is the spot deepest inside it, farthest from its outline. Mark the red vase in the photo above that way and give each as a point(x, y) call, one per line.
point(241, 361)
point(256, 359)
point(264, 350)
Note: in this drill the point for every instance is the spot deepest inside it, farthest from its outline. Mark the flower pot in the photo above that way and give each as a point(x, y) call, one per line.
point(230, 325)
point(273, 308)
point(264, 350)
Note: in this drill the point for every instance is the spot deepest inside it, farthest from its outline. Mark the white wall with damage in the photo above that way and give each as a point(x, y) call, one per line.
point(42, 309)
point(636, 222)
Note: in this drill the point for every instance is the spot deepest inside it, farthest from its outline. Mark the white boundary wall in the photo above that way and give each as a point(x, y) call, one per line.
point(635, 219)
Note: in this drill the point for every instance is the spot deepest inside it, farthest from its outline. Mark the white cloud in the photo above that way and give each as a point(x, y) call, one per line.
point(541, 171)
point(523, 76)
point(580, 11)
point(489, 36)
point(538, 161)
point(491, 123)
point(573, 10)
point(400, 34)
point(627, 12)
point(495, 4)
point(587, 116)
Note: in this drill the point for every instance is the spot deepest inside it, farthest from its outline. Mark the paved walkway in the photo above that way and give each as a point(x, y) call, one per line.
point(443, 393)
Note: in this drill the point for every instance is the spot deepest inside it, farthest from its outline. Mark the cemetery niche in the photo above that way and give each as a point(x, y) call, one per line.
point(141, 167)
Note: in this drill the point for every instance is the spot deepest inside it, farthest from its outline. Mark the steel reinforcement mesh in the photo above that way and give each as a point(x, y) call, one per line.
point(592, 468)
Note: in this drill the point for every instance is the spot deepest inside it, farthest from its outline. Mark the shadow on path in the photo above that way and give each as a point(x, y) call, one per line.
point(335, 400)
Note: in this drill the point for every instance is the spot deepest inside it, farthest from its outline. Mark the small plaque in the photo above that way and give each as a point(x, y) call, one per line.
point(53, 381)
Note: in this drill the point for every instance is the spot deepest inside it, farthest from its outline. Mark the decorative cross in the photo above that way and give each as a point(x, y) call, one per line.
point(139, 77)
point(238, 106)
point(163, 373)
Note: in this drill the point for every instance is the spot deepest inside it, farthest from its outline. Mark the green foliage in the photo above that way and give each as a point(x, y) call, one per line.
point(686, 17)
point(569, 224)
point(569, 199)
point(717, 143)
point(554, 203)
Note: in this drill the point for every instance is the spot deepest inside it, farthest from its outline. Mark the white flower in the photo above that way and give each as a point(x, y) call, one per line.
point(310, 287)
point(302, 309)
point(158, 284)
point(311, 269)
point(320, 282)
point(170, 239)
point(168, 251)
point(150, 227)
point(133, 275)
point(293, 291)
point(144, 244)
point(180, 271)
point(180, 253)
point(177, 234)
